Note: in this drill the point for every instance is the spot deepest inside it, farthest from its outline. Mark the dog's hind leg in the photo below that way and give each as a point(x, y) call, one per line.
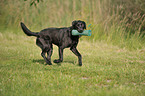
point(45, 46)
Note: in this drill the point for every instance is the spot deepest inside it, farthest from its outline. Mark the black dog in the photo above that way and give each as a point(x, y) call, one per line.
point(61, 37)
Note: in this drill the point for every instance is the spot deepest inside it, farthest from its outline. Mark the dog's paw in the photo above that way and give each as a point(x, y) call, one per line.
point(48, 63)
point(57, 61)
point(80, 64)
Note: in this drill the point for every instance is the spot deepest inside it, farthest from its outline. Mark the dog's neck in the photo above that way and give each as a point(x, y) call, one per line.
point(71, 28)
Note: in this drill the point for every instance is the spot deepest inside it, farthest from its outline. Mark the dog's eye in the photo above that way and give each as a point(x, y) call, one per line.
point(78, 25)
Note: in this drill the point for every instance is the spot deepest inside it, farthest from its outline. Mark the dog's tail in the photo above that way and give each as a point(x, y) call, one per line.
point(27, 31)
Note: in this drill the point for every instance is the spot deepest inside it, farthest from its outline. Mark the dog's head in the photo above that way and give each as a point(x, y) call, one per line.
point(79, 25)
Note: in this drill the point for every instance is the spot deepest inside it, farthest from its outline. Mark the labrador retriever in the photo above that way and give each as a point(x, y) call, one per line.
point(61, 37)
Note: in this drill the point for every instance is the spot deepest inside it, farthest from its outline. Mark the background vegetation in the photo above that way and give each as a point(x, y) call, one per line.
point(120, 22)
point(113, 57)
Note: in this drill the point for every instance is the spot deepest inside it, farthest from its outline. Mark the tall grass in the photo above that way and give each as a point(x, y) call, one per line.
point(119, 22)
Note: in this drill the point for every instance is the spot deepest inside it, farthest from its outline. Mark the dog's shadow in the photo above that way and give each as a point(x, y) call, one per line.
point(70, 62)
point(41, 61)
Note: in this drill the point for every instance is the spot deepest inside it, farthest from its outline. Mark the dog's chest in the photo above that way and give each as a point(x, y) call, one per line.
point(69, 42)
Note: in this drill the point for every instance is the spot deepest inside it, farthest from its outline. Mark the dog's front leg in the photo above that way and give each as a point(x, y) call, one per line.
point(75, 51)
point(49, 53)
point(60, 56)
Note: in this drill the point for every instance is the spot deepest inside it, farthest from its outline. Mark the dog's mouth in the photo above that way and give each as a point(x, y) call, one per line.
point(80, 31)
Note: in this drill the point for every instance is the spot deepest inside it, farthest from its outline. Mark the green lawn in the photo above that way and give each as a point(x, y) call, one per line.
point(107, 70)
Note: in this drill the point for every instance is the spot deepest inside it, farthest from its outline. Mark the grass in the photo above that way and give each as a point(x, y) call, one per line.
point(107, 70)
point(113, 57)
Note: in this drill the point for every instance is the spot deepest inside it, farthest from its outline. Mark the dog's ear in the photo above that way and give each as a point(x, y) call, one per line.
point(74, 24)
point(84, 24)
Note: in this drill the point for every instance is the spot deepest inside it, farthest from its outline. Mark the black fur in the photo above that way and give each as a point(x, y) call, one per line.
point(61, 37)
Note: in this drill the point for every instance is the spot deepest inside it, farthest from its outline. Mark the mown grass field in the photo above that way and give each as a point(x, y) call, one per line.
point(113, 57)
point(107, 70)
